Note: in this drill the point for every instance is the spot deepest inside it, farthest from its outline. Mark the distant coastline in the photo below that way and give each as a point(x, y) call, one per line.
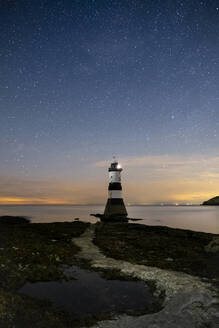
point(212, 202)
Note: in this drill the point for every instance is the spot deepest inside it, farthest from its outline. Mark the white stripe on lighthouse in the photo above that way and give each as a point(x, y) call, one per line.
point(115, 194)
point(114, 176)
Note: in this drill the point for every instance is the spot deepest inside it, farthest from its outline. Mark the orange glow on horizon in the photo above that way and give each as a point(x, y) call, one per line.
point(25, 201)
point(192, 198)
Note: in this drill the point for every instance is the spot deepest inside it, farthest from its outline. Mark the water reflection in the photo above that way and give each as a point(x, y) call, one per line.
point(90, 294)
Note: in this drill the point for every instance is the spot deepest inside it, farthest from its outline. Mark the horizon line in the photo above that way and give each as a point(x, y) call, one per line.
point(100, 204)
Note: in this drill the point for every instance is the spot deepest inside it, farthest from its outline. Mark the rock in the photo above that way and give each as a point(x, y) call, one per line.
point(8, 220)
point(192, 309)
point(213, 246)
point(213, 201)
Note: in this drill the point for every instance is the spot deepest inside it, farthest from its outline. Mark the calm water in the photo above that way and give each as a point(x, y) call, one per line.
point(89, 293)
point(198, 218)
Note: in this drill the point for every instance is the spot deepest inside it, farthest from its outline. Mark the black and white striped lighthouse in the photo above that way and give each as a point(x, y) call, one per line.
point(115, 207)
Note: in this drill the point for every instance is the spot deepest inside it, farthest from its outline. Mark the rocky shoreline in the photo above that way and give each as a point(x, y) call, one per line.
point(187, 287)
point(188, 301)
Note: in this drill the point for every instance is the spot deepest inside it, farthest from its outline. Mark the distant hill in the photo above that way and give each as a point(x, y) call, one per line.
point(212, 201)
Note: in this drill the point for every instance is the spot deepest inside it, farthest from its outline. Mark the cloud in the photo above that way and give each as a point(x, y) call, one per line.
point(161, 160)
point(165, 166)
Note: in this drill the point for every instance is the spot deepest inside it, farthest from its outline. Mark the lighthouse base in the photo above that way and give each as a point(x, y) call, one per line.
point(115, 209)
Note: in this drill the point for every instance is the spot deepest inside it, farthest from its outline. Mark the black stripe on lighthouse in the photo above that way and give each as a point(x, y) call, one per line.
point(115, 186)
point(116, 201)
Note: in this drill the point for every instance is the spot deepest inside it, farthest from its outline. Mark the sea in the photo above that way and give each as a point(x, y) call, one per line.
point(197, 218)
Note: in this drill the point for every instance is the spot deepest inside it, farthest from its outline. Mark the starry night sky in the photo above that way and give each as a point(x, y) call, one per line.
point(81, 81)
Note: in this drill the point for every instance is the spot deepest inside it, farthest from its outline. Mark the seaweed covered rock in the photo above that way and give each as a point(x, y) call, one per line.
point(213, 246)
point(7, 219)
point(34, 252)
point(192, 252)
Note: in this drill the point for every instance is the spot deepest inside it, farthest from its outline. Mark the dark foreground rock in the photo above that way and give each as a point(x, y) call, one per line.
point(195, 253)
point(213, 201)
point(7, 219)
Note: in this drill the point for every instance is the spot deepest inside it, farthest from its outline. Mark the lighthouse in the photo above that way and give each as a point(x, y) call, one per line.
point(115, 207)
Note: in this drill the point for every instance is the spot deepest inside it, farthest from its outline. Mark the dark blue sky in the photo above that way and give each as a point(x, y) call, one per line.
point(83, 80)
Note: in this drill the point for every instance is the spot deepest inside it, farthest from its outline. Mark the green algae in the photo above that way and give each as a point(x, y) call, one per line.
point(213, 246)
